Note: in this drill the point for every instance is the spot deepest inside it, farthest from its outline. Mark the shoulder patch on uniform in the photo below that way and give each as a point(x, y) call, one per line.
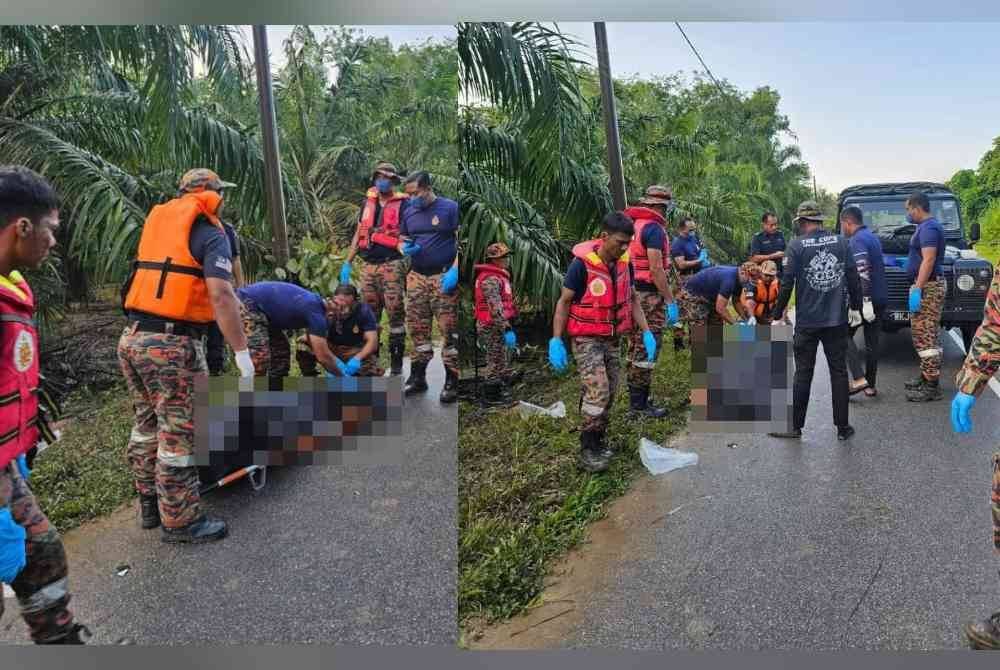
point(435, 220)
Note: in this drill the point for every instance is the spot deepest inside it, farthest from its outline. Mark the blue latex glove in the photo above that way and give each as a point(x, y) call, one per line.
point(673, 314)
point(12, 547)
point(22, 466)
point(411, 248)
point(746, 331)
point(340, 366)
point(352, 366)
point(345, 273)
point(961, 405)
point(510, 339)
point(557, 354)
point(706, 262)
point(450, 280)
point(915, 295)
point(649, 340)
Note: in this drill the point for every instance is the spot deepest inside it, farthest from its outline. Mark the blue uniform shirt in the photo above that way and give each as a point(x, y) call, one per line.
point(350, 332)
point(928, 234)
point(687, 247)
point(435, 229)
point(287, 306)
point(867, 251)
point(718, 280)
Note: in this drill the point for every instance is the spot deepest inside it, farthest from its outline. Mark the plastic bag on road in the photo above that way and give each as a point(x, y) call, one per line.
point(659, 459)
point(556, 410)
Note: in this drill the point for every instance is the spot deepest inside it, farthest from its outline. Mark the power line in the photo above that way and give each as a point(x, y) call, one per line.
point(701, 60)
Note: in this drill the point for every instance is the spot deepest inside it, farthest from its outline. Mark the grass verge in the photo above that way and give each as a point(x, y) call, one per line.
point(522, 501)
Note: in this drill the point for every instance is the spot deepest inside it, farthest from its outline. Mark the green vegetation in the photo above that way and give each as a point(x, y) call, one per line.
point(978, 192)
point(522, 500)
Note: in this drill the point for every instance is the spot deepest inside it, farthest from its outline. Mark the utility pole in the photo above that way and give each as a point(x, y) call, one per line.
point(269, 133)
point(610, 117)
point(815, 190)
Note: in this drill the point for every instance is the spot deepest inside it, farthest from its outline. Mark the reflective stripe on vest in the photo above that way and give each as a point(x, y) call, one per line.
point(388, 222)
point(482, 307)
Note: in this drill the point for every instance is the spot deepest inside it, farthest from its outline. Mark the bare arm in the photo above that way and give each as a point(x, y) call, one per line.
point(683, 264)
point(562, 312)
point(929, 255)
point(321, 350)
point(353, 249)
point(722, 309)
point(225, 305)
point(659, 274)
point(238, 272)
point(371, 343)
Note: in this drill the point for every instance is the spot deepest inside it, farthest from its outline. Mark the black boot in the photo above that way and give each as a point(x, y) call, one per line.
point(591, 459)
point(396, 348)
point(984, 634)
point(203, 529)
point(930, 390)
point(794, 434)
point(639, 403)
point(493, 394)
point(602, 443)
point(149, 512)
point(72, 637)
point(449, 393)
point(915, 383)
point(418, 380)
point(514, 377)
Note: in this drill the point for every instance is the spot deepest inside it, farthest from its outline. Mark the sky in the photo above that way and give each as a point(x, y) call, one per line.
point(869, 102)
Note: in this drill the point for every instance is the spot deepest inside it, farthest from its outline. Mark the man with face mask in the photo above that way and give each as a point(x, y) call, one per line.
point(688, 258)
point(377, 241)
point(352, 336)
point(180, 283)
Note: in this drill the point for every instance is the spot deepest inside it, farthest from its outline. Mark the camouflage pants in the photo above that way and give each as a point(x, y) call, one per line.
point(597, 361)
point(924, 325)
point(269, 348)
point(640, 372)
point(697, 311)
point(491, 335)
point(309, 366)
point(41, 587)
point(382, 287)
point(424, 302)
point(160, 371)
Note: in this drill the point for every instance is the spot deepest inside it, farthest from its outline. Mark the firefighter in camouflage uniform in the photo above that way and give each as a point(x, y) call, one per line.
point(494, 308)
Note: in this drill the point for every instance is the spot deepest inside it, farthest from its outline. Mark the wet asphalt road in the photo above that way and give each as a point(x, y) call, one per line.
point(331, 555)
point(883, 542)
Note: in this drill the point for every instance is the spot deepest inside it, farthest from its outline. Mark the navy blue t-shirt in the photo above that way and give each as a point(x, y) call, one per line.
point(928, 234)
point(576, 278)
point(350, 332)
point(287, 306)
point(652, 238)
point(234, 239)
point(867, 251)
point(718, 280)
point(210, 246)
point(688, 248)
point(763, 244)
point(435, 229)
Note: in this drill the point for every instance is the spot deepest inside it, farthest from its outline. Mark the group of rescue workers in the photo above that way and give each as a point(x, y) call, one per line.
point(632, 281)
point(184, 299)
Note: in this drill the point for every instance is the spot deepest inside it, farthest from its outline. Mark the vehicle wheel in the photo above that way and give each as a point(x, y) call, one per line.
point(968, 333)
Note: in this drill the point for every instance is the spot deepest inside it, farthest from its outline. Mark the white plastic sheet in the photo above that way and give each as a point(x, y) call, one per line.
point(556, 410)
point(659, 460)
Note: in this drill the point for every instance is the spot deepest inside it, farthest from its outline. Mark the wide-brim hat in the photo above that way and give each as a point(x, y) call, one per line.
point(497, 250)
point(387, 169)
point(809, 211)
point(657, 195)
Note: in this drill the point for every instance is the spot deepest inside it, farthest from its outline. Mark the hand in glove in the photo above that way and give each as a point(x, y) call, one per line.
point(853, 318)
point(961, 405)
point(12, 547)
point(916, 294)
point(449, 280)
point(752, 321)
point(673, 314)
point(510, 339)
point(22, 467)
point(345, 273)
point(868, 310)
point(649, 340)
point(352, 366)
point(557, 354)
point(410, 248)
point(746, 331)
point(245, 363)
point(704, 259)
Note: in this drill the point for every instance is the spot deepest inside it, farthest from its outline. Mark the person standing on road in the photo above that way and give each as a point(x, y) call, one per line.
point(926, 296)
point(650, 255)
point(596, 308)
point(383, 275)
point(688, 259)
point(867, 251)
point(430, 228)
point(819, 267)
point(32, 556)
point(180, 283)
point(215, 344)
point(980, 365)
point(494, 309)
point(769, 243)
point(706, 296)
point(352, 337)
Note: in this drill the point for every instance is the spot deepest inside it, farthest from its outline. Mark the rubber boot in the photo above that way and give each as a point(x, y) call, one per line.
point(915, 383)
point(591, 459)
point(149, 512)
point(514, 377)
point(203, 529)
point(449, 393)
point(72, 637)
point(639, 403)
point(984, 634)
point(605, 450)
point(417, 382)
point(930, 390)
point(493, 394)
point(396, 348)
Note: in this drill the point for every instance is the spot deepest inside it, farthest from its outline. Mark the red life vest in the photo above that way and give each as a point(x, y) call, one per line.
point(643, 216)
point(483, 314)
point(386, 233)
point(606, 307)
point(18, 373)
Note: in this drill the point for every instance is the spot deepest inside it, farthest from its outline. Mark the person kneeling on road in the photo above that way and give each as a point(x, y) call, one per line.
point(597, 307)
point(352, 337)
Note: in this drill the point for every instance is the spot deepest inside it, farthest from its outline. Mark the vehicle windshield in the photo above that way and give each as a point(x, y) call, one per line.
point(885, 216)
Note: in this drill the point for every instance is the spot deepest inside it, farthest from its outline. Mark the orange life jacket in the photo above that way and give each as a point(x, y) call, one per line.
point(168, 282)
point(386, 232)
point(606, 307)
point(765, 298)
point(483, 313)
point(18, 373)
point(643, 216)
